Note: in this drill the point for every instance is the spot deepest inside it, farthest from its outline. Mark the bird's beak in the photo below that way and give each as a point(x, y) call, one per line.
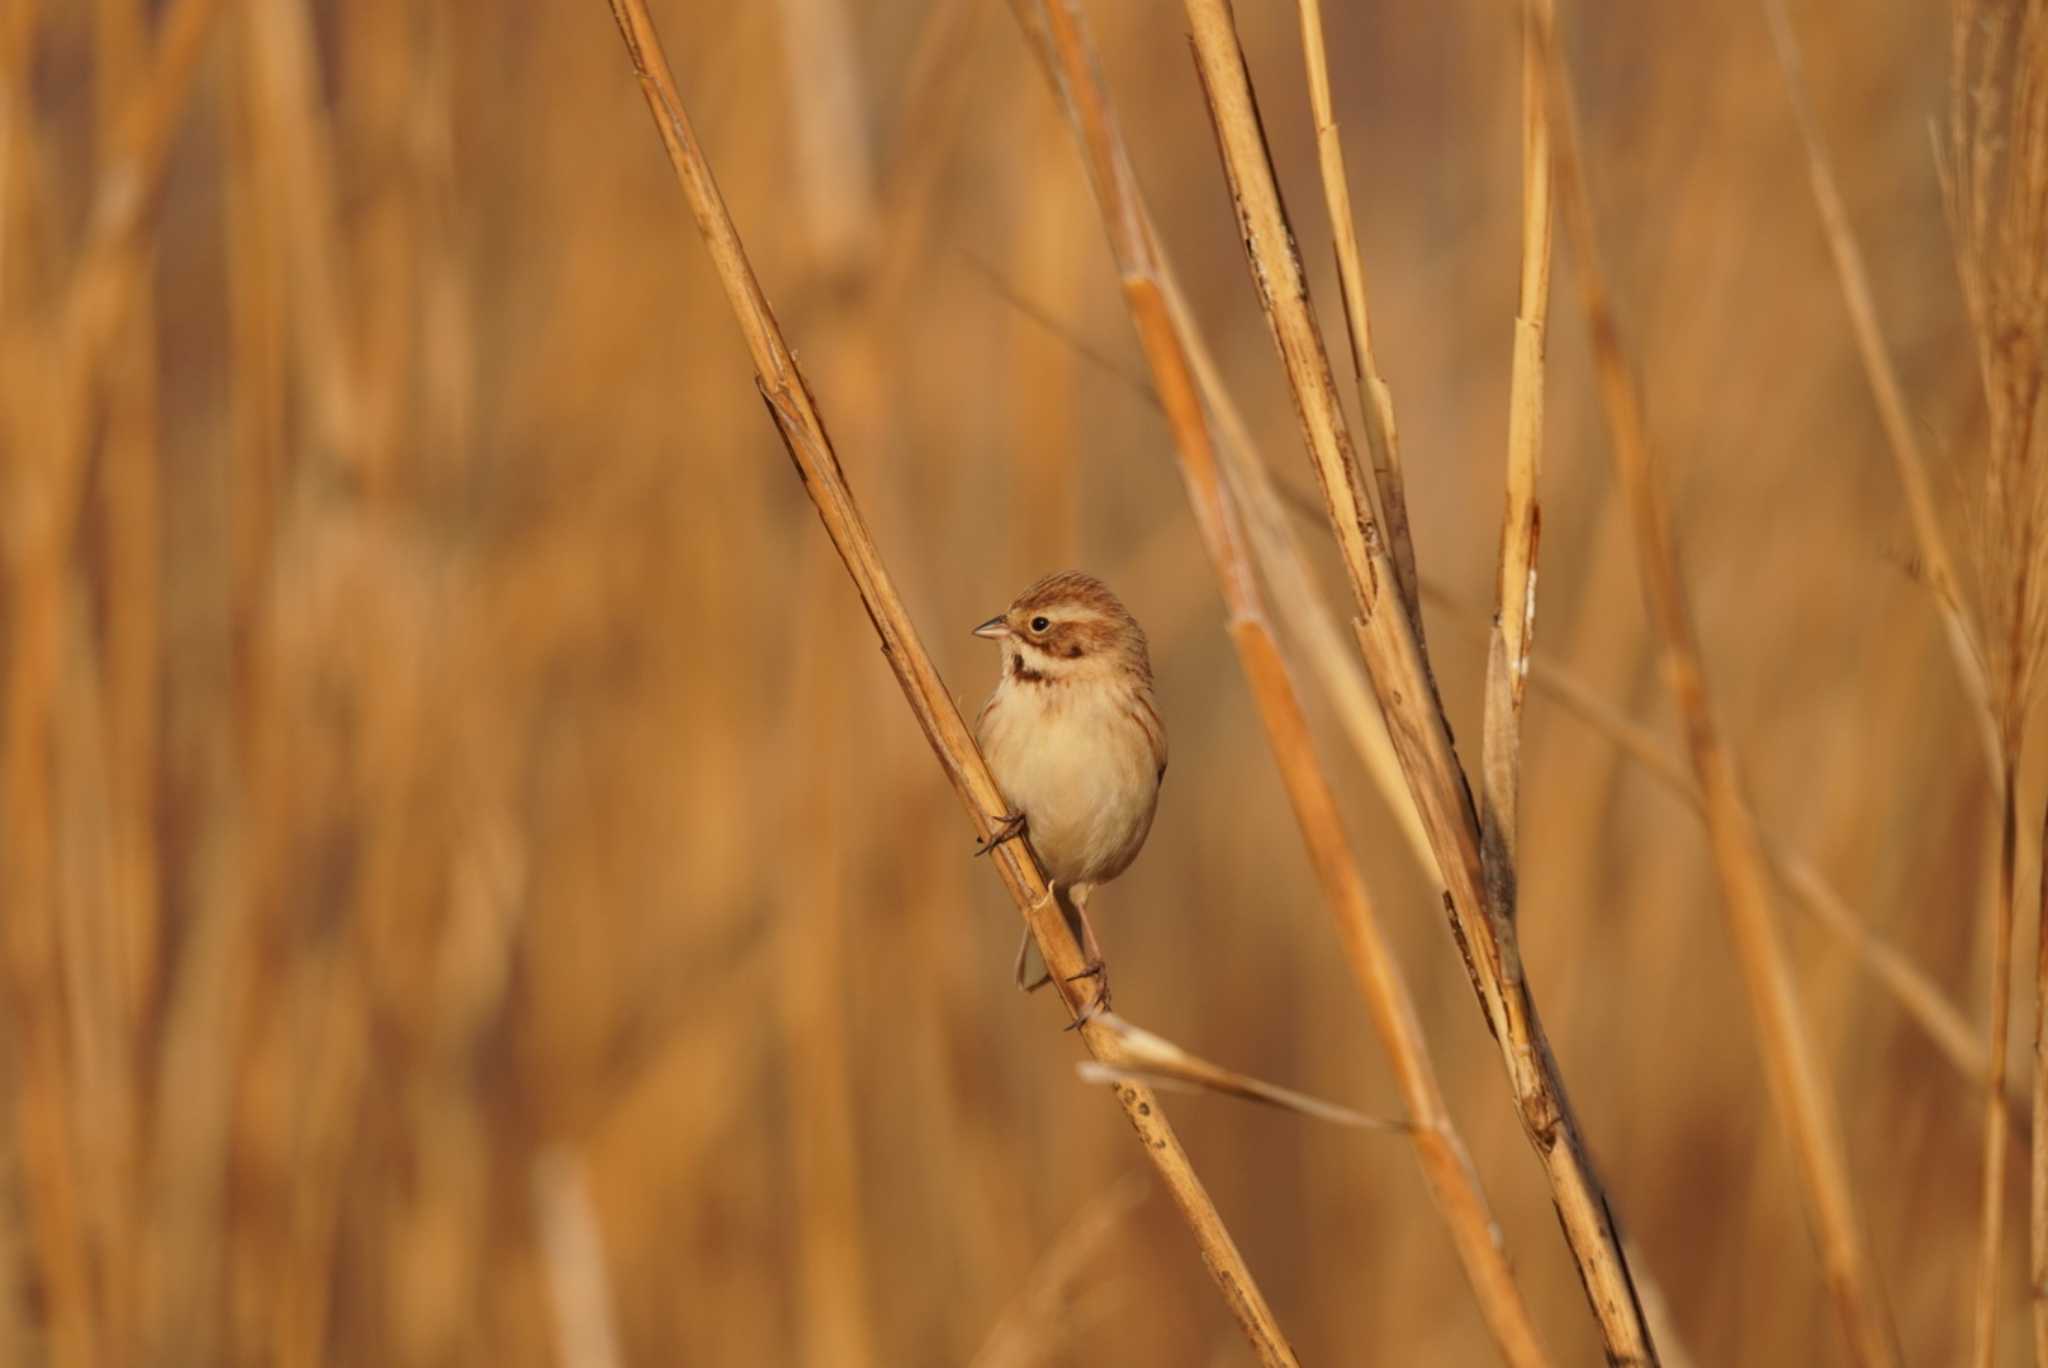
point(995, 629)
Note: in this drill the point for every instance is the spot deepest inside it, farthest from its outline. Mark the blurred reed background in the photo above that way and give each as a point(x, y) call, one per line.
point(474, 893)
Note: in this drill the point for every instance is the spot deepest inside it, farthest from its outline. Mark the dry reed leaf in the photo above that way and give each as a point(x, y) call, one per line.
point(1154, 1060)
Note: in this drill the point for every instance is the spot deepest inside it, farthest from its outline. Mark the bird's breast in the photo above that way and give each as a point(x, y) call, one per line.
point(1080, 766)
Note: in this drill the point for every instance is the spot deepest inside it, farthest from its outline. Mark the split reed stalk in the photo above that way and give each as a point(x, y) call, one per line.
point(796, 420)
point(1399, 669)
point(1454, 1185)
point(1797, 1086)
point(1514, 609)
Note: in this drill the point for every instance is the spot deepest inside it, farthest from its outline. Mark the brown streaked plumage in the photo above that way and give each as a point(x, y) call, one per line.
point(1074, 738)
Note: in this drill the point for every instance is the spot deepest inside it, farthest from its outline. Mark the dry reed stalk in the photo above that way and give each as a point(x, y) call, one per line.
point(1400, 672)
point(448, 344)
point(1153, 1059)
point(1514, 610)
point(1375, 401)
point(284, 75)
point(572, 1251)
point(1995, 184)
point(1936, 564)
point(22, 190)
point(1797, 1086)
point(129, 496)
point(834, 179)
point(2037, 1206)
point(1037, 1323)
point(381, 261)
point(796, 420)
point(1454, 1184)
point(824, 1165)
point(54, 410)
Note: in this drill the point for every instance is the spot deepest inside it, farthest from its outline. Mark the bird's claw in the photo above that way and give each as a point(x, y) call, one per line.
point(1100, 1003)
point(1008, 826)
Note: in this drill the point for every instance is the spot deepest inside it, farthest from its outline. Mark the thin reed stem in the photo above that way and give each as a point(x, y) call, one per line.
point(1375, 401)
point(1797, 1086)
point(2037, 1191)
point(1991, 1238)
point(796, 419)
point(1399, 668)
point(1936, 564)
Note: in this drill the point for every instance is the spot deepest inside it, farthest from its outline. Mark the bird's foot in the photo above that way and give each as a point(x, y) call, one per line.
point(1099, 971)
point(1008, 826)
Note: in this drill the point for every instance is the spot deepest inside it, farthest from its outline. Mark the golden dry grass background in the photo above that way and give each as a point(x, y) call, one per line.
point(490, 859)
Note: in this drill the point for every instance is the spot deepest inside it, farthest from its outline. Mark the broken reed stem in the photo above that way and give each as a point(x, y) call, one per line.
point(1400, 673)
point(1797, 1086)
point(1936, 563)
point(1454, 1185)
point(803, 433)
point(1984, 1292)
point(1375, 401)
point(1514, 610)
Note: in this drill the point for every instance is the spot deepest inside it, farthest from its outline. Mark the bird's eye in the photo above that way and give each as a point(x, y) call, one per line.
point(1039, 624)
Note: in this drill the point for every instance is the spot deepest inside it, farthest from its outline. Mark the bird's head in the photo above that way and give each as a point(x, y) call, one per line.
point(1068, 626)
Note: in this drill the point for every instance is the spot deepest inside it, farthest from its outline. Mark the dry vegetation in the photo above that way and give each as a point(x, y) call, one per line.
point(474, 893)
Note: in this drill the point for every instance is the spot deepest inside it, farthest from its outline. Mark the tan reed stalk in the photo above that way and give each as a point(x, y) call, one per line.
point(55, 417)
point(1038, 1321)
point(823, 1160)
point(1797, 1086)
point(129, 495)
point(1994, 180)
point(1991, 1193)
point(1154, 1059)
point(285, 80)
point(1375, 402)
point(2037, 1205)
point(1401, 677)
point(1453, 1184)
point(1514, 609)
point(128, 688)
point(796, 419)
point(1936, 564)
point(381, 263)
point(572, 1253)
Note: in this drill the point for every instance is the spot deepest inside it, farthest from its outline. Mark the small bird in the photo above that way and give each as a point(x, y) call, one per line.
point(1075, 743)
